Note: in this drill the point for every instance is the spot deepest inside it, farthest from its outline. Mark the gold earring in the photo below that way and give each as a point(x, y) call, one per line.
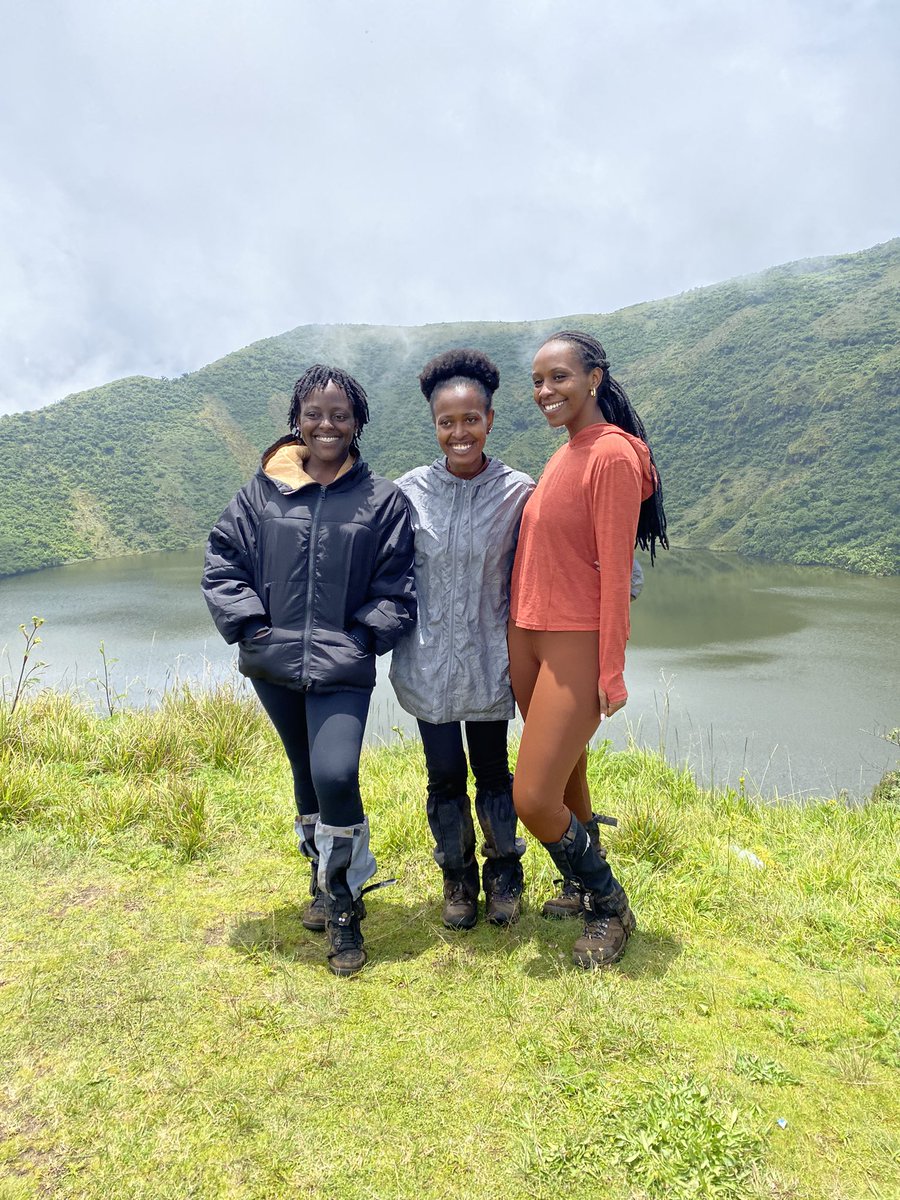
point(593, 393)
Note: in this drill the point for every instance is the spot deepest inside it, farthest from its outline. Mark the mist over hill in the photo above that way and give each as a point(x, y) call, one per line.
point(771, 403)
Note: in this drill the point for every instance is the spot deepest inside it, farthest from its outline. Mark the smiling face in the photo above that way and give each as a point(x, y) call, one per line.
point(327, 426)
point(562, 387)
point(462, 422)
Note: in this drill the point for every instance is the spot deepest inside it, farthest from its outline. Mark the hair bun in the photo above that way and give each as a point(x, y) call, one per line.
point(459, 364)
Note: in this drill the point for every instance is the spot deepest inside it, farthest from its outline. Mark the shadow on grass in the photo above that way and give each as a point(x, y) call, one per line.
point(393, 932)
point(398, 932)
point(649, 955)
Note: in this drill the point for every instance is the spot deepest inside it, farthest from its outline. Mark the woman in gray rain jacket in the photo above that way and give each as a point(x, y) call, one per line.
point(310, 571)
point(454, 668)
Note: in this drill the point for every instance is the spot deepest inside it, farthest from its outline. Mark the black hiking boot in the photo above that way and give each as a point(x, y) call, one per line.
point(608, 924)
point(567, 903)
point(503, 880)
point(313, 916)
point(608, 921)
point(346, 953)
point(460, 909)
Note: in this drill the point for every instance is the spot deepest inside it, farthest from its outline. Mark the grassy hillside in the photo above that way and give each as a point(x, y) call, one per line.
point(168, 1029)
point(772, 404)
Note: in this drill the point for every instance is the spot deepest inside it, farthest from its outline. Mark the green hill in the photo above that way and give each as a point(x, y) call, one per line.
point(771, 403)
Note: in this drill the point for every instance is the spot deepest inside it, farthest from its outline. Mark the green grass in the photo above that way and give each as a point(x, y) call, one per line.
point(169, 1029)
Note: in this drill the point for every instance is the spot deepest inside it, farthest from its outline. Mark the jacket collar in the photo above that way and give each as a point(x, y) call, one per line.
point(494, 467)
point(285, 464)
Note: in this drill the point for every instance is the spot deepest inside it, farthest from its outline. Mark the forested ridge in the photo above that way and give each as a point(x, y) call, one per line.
point(771, 403)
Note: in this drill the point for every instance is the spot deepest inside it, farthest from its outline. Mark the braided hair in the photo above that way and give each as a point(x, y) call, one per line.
point(316, 379)
point(468, 366)
point(616, 408)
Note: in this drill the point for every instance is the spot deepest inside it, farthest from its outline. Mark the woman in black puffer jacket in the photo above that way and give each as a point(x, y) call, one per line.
point(310, 571)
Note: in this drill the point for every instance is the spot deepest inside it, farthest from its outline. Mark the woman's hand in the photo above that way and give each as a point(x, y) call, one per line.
point(607, 709)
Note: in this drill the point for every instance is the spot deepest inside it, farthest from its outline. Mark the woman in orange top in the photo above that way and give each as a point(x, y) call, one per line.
point(599, 495)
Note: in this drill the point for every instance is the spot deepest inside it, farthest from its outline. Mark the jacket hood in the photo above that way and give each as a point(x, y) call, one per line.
point(285, 463)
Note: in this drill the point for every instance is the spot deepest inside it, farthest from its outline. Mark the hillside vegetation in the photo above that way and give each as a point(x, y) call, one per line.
point(168, 1029)
point(771, 403)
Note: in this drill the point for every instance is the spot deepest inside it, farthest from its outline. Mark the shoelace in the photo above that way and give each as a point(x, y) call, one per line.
point(597, 927)
point(346, 934)
point(505, 893)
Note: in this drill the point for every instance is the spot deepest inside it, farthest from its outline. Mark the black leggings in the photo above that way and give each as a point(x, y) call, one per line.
point(322, 735)
point(445, 757)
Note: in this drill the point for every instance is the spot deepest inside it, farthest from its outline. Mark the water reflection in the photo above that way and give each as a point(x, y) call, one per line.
point(781, 674)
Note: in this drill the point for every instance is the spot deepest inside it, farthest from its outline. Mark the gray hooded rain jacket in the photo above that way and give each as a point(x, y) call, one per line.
point(454, 665)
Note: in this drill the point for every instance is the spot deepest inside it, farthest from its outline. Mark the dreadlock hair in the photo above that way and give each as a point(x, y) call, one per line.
point(316, 379)
point(464, 366)
point(616, 408)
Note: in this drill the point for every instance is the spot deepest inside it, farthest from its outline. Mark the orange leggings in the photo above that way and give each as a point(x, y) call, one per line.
point(555, 677)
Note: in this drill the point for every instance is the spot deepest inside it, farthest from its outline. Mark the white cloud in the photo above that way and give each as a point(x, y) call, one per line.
point(182, 178)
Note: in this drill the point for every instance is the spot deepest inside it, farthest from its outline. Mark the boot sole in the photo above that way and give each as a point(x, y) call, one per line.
point(503, 923)
point(588, 963)
point(313, 925)
point(502, 920)
point(344, 972)
point(465, 923)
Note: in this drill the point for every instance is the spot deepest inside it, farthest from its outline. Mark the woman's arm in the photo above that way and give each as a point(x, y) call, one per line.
point(390, 610)
point(616, 506)
point(229, 584)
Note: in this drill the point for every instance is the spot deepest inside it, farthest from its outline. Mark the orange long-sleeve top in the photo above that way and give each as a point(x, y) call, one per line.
point(576, 544)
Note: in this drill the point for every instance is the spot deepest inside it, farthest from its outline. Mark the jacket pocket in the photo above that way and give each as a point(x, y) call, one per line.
point(362, 636)
point(339, 660)
point(275, 656)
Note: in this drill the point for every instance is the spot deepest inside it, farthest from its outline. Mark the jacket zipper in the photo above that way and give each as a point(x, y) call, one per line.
point(462, 492)
point(310, 590)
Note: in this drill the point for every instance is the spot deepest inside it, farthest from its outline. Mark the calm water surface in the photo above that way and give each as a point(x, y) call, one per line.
point(782, 674)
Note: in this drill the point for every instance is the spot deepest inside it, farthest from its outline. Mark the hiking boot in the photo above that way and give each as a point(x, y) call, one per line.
point(608, 924)
point(503, 881)
point(567, 902)
point(461, 889)
point(346, 954)
point(313, 916)
point(460, 909)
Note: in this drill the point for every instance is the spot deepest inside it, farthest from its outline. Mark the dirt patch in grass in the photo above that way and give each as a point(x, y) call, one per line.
point(83, 897)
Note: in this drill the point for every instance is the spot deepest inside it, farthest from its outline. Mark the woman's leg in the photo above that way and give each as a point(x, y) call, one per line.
point(563, 713)
point(286, 709)
point(502, 876)
point(445, 757)
point(577, 795)
point(488, 754)
point(336, 722)
point(450, 821)
point(555, 682)
point(524, 668)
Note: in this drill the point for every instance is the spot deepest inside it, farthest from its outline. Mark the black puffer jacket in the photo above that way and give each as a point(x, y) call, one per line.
point(312, 580)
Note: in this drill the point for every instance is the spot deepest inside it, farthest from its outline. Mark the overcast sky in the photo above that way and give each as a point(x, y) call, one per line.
point(182, 177)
